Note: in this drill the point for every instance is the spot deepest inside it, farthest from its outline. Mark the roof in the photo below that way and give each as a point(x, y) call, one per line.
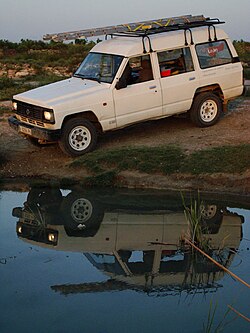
point(130, 46)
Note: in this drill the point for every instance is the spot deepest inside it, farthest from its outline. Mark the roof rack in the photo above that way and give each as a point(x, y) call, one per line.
point(138, 29)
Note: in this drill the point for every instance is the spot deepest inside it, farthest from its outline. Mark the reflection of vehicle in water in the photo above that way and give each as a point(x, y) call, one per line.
point(135, 240)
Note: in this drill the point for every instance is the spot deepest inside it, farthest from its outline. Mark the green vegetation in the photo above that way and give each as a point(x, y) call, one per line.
point(227, 159)
point(243, 50)
point(210, 325)
point(193, 217)
point(39, 53)
point(167, 160)
point(3, 110)
point(41, 63)
point(10, 87)
point(150, 160)
point(104, 179)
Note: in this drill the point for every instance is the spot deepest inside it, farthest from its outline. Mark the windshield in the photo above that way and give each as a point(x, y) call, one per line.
point(99, 67)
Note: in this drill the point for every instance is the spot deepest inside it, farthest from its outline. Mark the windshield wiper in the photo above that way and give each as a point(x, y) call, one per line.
point(85, 77)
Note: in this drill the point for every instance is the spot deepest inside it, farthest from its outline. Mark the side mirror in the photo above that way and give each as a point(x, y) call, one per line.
point(121, 84)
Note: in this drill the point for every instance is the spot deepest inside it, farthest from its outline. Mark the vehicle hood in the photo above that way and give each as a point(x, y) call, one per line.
point(55, 93)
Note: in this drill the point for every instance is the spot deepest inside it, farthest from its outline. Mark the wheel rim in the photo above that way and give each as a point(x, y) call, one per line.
point(208, 111)
point(79, 138)
point(81, 210)
point(208, 211)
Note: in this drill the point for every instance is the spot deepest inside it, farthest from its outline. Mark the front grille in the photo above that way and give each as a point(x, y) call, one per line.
point(31, 121)
point(30, 112)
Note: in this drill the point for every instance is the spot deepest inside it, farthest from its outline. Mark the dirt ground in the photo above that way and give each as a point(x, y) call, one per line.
point(48, 162)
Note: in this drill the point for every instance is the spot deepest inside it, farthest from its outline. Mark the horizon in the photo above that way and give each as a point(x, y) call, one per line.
point(29, 21)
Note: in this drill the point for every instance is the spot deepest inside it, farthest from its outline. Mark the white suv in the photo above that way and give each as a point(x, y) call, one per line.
point(131, 78)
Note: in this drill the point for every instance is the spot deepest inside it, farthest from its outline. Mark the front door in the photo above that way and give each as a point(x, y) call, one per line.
point(141, 99)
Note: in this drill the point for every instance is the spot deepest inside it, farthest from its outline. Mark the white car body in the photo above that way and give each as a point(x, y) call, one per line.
point(109, 108)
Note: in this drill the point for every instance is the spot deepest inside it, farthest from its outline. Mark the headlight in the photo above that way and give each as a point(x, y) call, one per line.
point(49, 116)
point(52, 238)
point(14, 106)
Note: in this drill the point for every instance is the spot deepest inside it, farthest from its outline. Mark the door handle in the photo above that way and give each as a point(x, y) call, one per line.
point(192, 78)
point(152, 87)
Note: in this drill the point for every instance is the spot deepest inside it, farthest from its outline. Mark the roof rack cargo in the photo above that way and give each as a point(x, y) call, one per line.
point(139, 29)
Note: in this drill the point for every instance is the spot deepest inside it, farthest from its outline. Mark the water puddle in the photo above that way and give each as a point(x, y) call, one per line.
point(117, 261)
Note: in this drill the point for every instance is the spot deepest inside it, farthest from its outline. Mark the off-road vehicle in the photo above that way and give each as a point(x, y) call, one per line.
point(169, 67)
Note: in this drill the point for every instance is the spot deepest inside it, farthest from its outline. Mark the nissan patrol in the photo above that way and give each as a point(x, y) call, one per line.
point(186, 67)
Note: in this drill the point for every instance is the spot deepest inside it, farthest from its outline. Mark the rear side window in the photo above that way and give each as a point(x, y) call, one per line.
point(173, 62)
point(213, 54)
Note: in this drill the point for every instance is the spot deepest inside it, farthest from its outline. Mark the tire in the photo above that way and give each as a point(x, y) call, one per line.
point(81, 212)
point(79, 136)
point(211, 218)
point(206, 110)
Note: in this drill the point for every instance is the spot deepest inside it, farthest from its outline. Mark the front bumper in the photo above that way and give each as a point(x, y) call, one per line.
point(33, 131)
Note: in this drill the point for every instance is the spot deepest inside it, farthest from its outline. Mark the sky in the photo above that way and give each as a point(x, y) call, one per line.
point(31, 19)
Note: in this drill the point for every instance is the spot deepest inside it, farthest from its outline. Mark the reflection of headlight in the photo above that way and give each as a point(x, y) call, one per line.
point(49, 115)
point(14, 105)
point(52, 238)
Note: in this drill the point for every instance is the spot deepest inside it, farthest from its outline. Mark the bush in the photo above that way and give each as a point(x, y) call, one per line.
point(6, 82)
point(247, 73)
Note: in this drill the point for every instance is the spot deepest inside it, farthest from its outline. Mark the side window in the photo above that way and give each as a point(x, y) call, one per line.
point(213, 54)
point(173, 62)
point(138, 70)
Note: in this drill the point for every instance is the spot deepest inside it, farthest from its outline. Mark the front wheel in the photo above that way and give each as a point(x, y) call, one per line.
point(206, 110)
point(79, 136)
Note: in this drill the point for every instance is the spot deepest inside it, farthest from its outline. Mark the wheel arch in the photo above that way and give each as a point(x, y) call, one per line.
point(89, 115)
point(213, 88)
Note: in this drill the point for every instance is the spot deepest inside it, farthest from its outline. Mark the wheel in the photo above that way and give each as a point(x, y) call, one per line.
point(211, 218)
point(206, 110)
point(79, 136)
point(81, 212)
point(209, 212)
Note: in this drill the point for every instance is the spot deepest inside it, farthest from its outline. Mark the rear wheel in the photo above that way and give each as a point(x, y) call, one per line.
point(206, 110)
point(79, 136)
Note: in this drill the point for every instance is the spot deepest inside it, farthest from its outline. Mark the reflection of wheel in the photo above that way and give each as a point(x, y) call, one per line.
point(81, 212)
point(211, 218)
point(208, 211)
point(79, 136)
point(206, 110)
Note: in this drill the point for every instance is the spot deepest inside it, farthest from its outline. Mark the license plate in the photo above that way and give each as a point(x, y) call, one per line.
point(25, 130)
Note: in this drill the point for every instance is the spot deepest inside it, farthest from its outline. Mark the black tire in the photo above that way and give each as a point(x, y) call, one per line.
point(211, 218)
point(81, 212)
point(206, 110)
point(79, 136)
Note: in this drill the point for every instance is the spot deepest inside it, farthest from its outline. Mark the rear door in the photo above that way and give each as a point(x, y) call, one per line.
point(179, 80)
